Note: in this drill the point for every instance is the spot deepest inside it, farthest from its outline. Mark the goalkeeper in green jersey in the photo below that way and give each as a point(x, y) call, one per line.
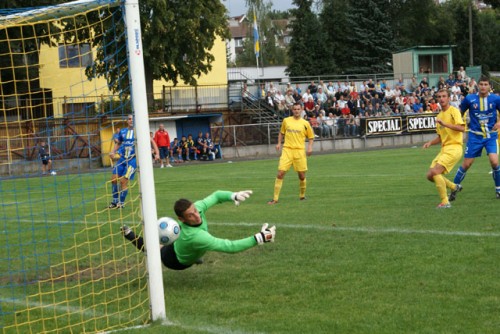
point(195, 240)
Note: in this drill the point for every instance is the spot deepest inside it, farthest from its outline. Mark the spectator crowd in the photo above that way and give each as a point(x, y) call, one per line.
point(335, 108)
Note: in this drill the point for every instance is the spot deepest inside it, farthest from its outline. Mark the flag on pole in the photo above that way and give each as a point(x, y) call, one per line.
point(256, 44)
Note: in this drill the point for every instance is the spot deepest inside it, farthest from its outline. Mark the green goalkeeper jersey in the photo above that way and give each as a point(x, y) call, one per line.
point(195, 241)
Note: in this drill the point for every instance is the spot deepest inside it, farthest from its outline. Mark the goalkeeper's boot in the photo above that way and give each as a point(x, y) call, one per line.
point(444, 206)
point(453, 194)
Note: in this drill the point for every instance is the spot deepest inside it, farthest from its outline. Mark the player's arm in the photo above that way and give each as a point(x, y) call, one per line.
point(456, 127)
point(435, 141)
point(204, 241)
point(117, 145)
point(496, 126)
point(155, 148)
point(280, 139)
point(310, 136)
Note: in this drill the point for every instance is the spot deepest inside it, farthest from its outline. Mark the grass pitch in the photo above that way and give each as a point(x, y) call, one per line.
point(367, 252)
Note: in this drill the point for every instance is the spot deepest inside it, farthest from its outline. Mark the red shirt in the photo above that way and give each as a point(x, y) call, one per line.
point(162, 139)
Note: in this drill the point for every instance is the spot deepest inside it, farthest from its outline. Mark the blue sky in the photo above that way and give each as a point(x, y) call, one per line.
point(238, 7)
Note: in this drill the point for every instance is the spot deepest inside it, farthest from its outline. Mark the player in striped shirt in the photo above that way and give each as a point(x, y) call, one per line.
point(484, 125)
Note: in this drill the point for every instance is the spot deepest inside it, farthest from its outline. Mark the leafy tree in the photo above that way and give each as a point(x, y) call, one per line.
point(371, 38)
point(307, 51)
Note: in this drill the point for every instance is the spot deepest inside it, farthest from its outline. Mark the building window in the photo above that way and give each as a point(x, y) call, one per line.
point(75, 55)
point(238, 42)
point(433, 63)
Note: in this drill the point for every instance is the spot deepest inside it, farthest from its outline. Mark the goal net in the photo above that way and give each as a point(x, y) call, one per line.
point(64, 91)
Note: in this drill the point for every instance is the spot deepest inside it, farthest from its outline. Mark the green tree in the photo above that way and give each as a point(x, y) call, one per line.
point(336, 27)
point(307, 51)
point(371, 39)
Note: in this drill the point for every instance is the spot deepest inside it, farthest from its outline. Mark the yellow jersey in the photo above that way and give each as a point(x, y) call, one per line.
point(448, 136)
point(296, 131)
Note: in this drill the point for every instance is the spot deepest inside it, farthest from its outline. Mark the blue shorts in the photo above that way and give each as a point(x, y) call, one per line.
point(476, 143)
point(125, 168)
point(163, 152)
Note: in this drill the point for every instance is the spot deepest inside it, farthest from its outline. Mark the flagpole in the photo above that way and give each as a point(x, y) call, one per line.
point(256, 42)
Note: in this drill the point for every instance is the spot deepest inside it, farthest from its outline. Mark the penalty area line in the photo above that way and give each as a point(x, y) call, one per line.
point(368, 229)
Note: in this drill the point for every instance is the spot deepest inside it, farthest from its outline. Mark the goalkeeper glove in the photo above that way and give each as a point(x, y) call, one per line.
point(240, 196)
point(265, 234)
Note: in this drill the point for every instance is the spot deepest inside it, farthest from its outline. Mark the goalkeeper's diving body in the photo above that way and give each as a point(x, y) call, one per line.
point(195, 240)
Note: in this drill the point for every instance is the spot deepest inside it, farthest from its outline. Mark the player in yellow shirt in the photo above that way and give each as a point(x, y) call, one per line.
point(450, 127)
point(295, 129)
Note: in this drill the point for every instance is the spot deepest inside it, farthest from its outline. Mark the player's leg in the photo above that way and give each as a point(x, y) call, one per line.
point(300, 165)
point(114, 186)
point(492, 151)
point(435, 175)
point(130, 235)
point(284, 165)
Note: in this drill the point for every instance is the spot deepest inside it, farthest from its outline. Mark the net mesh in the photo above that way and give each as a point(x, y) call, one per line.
point(65, 267)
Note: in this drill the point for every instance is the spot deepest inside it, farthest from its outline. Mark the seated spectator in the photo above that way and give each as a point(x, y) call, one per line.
point(200, 142)
point(461, 83)
point(298, 89)
point(472, 86)
point(441, 83)
point(461, 72)
point(184, 149)
point(209, 151)
point(400, 84)
point(307, 95)
point(413, 86)
point(377, 110)
point(297, 97)
point(175, 151)
point(321, 98)
point(330, 89)
point(289, 100)
point(389, 96)
point(434, 106)
point(270, 100)
point(450, 82)
point(371, 87)
point(316, 111)
point(313, 89)
point(418, 107)
point(192, 150)
point(309, 107)
point(325, 130)
point(456, 89)
point(331, 121)
point(376, 100)
point(386, 110)
point(315, 126)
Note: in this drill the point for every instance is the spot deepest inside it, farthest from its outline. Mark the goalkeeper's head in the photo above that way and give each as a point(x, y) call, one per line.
point(186, 212)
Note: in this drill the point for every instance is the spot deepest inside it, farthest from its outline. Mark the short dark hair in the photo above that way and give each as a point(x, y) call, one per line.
point(181, 206)
point(484, 78)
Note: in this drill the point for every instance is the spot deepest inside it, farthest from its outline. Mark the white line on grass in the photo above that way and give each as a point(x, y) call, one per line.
point(370, 229)
point(307, 227)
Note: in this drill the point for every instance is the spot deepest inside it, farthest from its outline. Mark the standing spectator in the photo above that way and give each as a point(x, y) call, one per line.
point(450, 128)
point(162, 140)
point(295, 130)
point(44, 155)
point(483, 133)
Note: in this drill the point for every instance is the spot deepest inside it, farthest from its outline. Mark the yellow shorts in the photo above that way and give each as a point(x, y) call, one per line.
point(448, 157)
point(295, 157)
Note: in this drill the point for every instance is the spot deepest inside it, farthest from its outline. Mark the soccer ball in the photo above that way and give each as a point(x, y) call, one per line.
point(53, 172)
point(168, 230)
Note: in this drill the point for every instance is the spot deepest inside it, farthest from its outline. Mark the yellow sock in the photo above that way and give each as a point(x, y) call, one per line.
point(440, 182)
point(277, 188)
point(449, 184)
point(302, 187)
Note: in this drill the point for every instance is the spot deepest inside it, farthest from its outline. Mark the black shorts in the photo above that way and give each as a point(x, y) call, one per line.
point(169, 259)
point(45, 161)
point(163, 152)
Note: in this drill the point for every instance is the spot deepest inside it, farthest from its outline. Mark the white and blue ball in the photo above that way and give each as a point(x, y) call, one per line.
point(168, 230)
